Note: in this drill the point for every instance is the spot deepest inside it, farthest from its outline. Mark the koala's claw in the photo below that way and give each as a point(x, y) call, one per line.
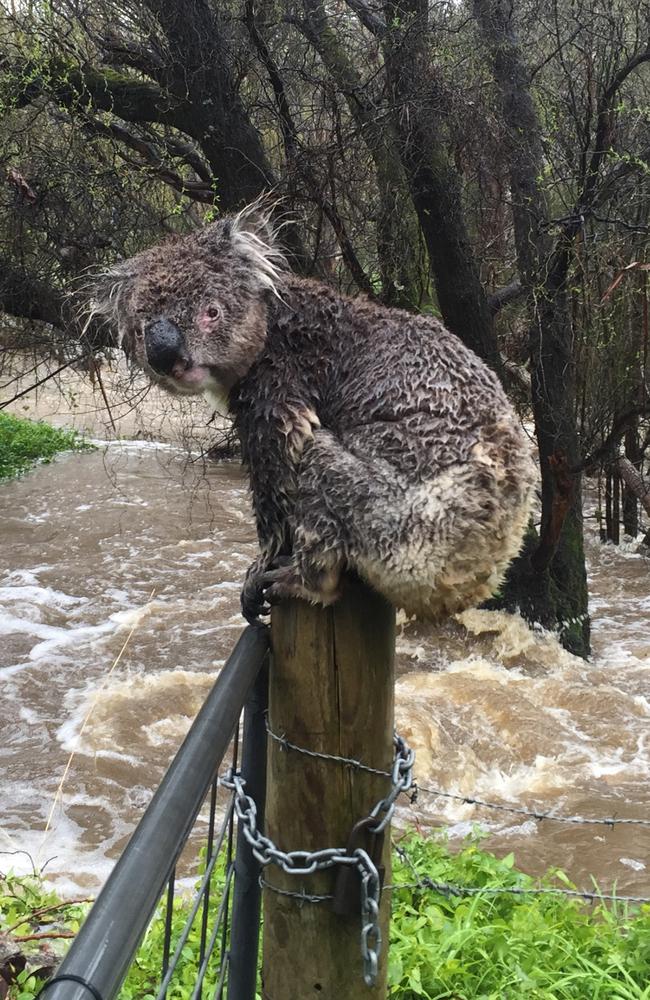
point(263, 589)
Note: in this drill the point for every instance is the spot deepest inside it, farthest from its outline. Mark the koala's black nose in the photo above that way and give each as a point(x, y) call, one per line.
point(165, 345)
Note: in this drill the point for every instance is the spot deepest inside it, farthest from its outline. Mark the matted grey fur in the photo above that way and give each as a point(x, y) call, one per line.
point(375, 440)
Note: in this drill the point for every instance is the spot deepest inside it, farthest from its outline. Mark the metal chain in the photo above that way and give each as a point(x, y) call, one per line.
point(308, 862)
point(401, 775)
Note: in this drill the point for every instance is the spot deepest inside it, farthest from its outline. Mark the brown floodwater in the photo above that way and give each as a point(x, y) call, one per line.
point(137, 536)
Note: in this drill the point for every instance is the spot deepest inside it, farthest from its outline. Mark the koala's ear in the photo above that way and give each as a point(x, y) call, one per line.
point(216, 236)
point(252, 236)
point(102, 298)
point(257, 219)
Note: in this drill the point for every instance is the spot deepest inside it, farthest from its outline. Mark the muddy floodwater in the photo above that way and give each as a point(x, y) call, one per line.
point(139, 538)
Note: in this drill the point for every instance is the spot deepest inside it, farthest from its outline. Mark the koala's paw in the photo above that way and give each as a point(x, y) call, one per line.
point(266, 586)
point(260, 588)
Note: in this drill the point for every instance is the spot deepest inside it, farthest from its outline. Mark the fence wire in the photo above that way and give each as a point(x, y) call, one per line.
point(471, 800)
point(219, 844)
point(535, 814)
point(423, 883)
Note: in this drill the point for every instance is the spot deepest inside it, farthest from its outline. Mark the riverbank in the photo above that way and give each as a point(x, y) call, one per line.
point(23, 443)
point(114, 402)
point(497, 945)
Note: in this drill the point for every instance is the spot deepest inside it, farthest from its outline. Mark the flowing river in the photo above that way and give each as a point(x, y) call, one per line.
point(136, 538)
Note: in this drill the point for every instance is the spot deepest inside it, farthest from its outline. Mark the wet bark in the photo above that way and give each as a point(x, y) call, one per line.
point(616, 507)
point(433, 180)
point(631, 494)
point(609, 530)
point(549, 579)
point(635, 483)
point(199, 77)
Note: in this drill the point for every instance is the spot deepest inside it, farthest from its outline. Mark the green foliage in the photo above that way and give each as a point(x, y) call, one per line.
point(23, 442)
point(483, 947)
point(28, 908)
point(143, 978)
point(506, 947)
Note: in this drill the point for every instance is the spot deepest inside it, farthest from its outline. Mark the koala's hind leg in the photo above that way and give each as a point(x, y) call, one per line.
point(340, 502)
point(432, 547)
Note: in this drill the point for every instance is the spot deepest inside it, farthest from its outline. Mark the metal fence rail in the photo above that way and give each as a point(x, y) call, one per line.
point(103, 950)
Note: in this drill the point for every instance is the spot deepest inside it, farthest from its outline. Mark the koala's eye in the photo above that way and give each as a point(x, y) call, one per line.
point(213, 312)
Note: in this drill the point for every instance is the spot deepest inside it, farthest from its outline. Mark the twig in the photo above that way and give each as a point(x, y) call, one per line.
point(46, 935)
point(47, 909)
point(35, 385)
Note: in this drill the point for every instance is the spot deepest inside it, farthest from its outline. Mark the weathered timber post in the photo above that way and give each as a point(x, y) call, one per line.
point(331, 690)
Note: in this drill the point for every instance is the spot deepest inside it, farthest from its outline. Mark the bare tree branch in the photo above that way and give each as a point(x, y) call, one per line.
point(509, 293)
point(374, 22)
point(605, 451)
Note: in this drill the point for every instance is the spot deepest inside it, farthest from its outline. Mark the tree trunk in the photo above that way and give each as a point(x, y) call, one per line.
point(630, 498)
point(396, 225)
point(200, 76)
point(551, 577)
point(635, 483)
point(433, 181)
point(616, 507)
point(609, 530)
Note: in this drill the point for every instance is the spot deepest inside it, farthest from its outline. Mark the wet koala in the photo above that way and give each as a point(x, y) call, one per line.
point(375, 440)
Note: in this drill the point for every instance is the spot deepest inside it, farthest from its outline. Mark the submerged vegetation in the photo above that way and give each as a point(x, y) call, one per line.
point(24, 442)
point(492, 946)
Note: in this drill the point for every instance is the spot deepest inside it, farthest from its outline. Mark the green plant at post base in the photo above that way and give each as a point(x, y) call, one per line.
point(506, 947)
point(491, 947)
point(24, 442)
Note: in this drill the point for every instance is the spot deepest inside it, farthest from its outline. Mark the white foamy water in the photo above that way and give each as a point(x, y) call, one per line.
point(139, 539)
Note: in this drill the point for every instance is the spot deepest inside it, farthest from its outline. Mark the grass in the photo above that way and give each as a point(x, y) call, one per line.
point(485, 947)
point(24, 442)
point(503, 947)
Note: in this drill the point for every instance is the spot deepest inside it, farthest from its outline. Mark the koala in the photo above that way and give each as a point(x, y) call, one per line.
point(375, 440)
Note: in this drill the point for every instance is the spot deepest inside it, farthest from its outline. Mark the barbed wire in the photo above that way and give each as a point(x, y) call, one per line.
point(351, 762)
point(536, 814)
point(447, 889)
point(450, 889)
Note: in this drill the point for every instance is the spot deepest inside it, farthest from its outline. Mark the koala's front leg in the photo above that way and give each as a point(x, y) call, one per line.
point(302, 538)
point(324, 496)
point(263, 588)
point(285, 498)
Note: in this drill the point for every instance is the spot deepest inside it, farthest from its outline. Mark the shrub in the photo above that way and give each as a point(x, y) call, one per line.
point(24, 442)
point(496, 946)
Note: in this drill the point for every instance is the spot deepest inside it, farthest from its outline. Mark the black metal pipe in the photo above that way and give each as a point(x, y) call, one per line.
point(245, 921)
point(107, 941)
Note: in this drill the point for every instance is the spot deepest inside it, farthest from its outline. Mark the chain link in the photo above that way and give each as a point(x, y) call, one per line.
point(307, 862)
point(401, 781)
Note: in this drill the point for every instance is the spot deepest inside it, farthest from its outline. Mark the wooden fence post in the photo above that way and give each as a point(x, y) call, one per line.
point(331, 690)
